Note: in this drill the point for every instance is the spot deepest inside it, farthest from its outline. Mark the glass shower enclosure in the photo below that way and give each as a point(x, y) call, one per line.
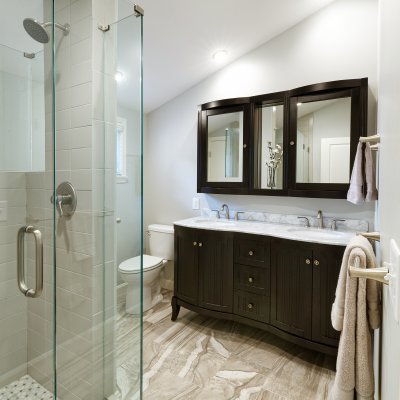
point(70, 150)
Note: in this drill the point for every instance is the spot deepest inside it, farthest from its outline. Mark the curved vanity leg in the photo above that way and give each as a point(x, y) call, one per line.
point(175, 308)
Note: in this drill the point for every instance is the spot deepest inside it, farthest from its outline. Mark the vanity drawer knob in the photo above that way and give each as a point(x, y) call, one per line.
point(251, 280)
point(200, 244)
point(250, 306)
point(308, 261)
point(244, 145)
point(194, 243)
point(316, 263)
point(291, 143)
point(251, 252)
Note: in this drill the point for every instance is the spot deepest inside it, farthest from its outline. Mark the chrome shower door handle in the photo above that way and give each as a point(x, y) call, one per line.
point(37, 291)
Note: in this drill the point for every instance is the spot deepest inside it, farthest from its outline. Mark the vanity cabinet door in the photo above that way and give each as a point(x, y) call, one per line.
point(186, 264)
point(215, 250)
point(291, 286)
point(326, 267)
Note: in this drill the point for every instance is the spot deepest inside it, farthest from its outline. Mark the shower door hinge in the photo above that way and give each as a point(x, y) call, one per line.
point(104, 28)
point(29, 55)
point(139, 11)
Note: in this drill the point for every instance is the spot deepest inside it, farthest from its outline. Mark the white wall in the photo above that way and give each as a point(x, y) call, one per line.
point(389, 210)
point(338, 42)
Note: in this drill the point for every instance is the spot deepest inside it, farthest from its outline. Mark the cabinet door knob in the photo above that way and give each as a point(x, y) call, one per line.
point(251, 279)
point(194, 243)
point(250, 306)
point(200, 244)
point(251, 252)
point(291, 143)
point(244, 145)
point(308, 261)
point(316, 263)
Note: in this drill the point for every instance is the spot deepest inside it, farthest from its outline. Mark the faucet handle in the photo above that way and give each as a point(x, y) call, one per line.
point(217, 213)
point(237, 214)
point(334, 221)
point(306, 222)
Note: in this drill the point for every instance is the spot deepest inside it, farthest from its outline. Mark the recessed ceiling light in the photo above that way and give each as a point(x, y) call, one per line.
point(220, 55)
point(119, 76)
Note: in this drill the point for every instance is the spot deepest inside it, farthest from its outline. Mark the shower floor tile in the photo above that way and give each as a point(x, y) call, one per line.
point(23, 389)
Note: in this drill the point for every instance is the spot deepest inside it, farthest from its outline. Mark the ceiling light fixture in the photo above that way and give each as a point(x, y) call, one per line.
point(119, 76)
point(220, 55)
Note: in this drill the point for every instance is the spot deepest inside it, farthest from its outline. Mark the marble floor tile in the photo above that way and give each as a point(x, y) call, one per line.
point(201, 358)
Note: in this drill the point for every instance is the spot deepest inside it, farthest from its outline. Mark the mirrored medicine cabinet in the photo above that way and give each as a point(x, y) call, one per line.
point(300, 142)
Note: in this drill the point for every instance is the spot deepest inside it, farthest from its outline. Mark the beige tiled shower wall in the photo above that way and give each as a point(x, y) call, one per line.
point(13, 316)
point(85, 273)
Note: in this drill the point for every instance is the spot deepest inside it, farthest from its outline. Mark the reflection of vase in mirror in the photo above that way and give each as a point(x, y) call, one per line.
point(269, 146)
point(274, 160)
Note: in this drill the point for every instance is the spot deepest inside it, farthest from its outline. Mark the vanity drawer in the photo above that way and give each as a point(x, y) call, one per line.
point(251, 251)
point(252, 279)
point(251, 305)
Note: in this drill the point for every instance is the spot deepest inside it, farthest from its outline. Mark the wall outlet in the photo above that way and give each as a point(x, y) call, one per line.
point(3, 211)
point(195, 203)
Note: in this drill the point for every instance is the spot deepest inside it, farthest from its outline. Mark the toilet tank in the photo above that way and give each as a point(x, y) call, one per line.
point(161, 241)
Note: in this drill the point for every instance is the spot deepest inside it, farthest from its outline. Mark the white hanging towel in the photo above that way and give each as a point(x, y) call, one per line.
point(355, 194)
point(372, 192)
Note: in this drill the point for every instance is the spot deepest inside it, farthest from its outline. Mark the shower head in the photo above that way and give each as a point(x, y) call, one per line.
point(37, 30)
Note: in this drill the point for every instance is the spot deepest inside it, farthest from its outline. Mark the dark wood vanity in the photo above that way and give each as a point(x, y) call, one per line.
point(286, 287)
point(300, 142)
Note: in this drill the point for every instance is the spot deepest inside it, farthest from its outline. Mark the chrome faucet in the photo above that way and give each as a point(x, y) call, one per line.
point(320, 219)
point(306, 221)
point(225, 208)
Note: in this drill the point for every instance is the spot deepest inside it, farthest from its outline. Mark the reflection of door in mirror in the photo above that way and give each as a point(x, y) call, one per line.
point(269, 146)
point(304, 170)
point(323, 141)
point(225, 143)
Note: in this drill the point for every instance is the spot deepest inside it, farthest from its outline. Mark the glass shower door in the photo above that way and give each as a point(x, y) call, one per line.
point(98, 150)
point(26, 213)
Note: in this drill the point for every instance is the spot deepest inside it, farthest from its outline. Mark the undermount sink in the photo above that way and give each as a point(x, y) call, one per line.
point(219, 222)
point(318, 233)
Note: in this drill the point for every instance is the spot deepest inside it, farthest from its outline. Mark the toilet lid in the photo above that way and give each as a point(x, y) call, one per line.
point(132, 265)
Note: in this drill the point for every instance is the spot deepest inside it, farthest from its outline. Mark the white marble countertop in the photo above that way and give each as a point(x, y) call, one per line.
point(292, 232)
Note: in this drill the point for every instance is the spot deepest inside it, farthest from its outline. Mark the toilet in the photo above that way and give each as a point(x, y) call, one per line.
point(161, 248)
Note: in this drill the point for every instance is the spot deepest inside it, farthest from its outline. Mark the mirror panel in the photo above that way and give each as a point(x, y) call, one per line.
point(323, 141)
point(269, 146)
point(225, 147)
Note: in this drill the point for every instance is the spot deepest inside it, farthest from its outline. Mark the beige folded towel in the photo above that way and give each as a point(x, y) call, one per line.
point(355, 312)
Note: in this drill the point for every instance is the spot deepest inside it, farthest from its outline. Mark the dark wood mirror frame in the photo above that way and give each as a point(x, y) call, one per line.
point(357, 89)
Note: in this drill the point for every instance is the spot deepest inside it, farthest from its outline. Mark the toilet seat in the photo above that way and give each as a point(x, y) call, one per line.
point(132, 265)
